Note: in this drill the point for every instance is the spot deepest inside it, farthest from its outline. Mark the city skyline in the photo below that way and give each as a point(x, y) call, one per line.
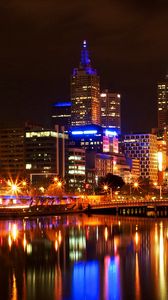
point(41, 43)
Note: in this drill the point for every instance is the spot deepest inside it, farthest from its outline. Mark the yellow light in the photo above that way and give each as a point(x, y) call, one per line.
point(55, 179)
point(136, 238)
point(105, 187)
point(160, 161)
point(136, 184)
point(41, 189)
point(9, 241)
point(14, 187)
point(24, 183)
point(14, 232)
point(106, 234)
point(59, 183)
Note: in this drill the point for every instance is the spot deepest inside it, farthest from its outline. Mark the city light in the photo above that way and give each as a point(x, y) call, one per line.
point(14, 188)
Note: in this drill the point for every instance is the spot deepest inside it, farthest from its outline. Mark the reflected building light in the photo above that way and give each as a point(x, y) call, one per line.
point(115, 245)
point(24, 225)
point(106, 279)
point(137, 278)
point(29, 249)
point(136, 238)
point(59, 237)
point(14, 232)
point(56, 245)
point(9, 241)
point(156, 234)
point(97, 233)
point(24, 242)
point(86, 280)
point(114, 278)
point(162, 278)
point(106, 234)
point(9, 227)
point(14, 288)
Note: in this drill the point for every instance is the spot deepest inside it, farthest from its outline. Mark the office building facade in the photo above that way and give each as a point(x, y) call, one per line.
point(111, 110)
point(75, 170)
point(61, 114)
point(45, 154)
point(12, 160)
point(144, 148)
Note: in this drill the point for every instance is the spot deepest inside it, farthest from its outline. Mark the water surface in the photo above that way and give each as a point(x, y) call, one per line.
point(84, 258)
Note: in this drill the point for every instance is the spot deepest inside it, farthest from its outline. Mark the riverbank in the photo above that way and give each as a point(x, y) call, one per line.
point(129, 208)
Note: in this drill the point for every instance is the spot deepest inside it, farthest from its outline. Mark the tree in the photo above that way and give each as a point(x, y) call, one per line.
point(113, 181)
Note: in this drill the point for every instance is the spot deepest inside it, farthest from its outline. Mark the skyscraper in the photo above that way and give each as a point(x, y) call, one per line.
point(162, 89)
point(85, 92)
point(110, 110)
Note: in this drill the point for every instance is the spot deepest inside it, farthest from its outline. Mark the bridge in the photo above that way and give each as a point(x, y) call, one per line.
point(145, 208)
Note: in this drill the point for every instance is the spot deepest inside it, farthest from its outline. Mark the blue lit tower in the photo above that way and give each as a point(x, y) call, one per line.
point(85, 92)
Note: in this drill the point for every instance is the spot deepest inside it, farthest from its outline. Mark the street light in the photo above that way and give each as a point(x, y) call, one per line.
point(136, 184)
point(105, 187)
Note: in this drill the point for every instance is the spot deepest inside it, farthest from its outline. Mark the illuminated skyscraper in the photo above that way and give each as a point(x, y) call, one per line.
point(85, 92)
point(110, 110)
point(163, 103)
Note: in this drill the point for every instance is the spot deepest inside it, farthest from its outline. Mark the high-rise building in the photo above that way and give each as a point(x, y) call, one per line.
point(61, 114)
point(75, 170)
point(85, 92)
point(111, 110)
point(144, 148)
point(45, 153)
point(12, 153)
point(162, 89)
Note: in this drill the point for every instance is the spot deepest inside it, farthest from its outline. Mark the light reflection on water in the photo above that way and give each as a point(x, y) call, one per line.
point(80, 257)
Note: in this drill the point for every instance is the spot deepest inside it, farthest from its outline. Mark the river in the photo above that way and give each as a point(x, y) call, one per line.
point(79, 257)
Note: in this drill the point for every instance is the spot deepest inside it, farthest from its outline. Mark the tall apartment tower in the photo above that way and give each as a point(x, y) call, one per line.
point(162, 91)
point(111, 110)
point(85, 92)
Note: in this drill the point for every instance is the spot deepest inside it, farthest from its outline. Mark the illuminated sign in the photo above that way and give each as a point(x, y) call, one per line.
point(110, 132)
point(84, 132)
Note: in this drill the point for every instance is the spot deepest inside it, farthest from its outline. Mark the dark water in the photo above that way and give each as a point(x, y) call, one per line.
point(80, 257)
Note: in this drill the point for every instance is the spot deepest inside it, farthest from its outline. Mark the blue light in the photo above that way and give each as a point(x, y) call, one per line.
point(85, 55)
point(90, 131)
point(62, 104)
point(114, 279)
point(77, 132)
point(86, 281)
point(90, 71)
point(84, 132)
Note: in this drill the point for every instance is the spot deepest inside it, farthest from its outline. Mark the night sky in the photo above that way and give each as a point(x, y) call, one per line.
point(40, 43)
